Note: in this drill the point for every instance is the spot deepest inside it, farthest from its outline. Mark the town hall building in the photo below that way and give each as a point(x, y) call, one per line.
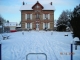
point(37, 16)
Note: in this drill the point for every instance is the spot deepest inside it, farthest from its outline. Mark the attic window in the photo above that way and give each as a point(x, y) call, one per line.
point(37, 6)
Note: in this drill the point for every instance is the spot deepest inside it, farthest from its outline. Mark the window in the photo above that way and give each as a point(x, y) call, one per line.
point(28, 16)
point(37, 6)
point(46, 25)
point(46, 16)
point(37, 16)
point(28, 25)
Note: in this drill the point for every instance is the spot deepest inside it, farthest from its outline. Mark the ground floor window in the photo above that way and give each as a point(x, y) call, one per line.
point(46, 25)
point(28, 25)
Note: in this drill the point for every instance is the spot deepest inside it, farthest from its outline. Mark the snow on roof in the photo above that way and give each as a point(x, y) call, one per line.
point(48, 7)
point(29, 7)
point(10, 24)
point(62, 24)
point(26, 7)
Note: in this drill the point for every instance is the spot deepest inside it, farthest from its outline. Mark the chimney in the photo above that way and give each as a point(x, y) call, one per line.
point(23, 3)
point(51, 3)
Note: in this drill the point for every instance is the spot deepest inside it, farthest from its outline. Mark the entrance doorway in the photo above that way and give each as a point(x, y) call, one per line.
point(37, 26)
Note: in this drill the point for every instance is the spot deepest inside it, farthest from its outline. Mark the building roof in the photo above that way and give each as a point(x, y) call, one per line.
point(29, 7)
point(36, 4)
point(10, 24)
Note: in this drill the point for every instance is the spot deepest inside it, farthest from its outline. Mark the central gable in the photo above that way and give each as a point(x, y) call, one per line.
point(37, 5)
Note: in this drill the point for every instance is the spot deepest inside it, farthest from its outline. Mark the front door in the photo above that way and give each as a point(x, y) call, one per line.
point(37, 26)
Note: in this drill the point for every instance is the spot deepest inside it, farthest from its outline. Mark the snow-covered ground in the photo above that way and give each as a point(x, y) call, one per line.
point(54, 44)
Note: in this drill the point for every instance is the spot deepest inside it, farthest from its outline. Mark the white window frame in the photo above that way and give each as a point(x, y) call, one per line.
point(46, 25)
point(28, 16)
point(31, 16)
point(46, 16)
point(28, 25)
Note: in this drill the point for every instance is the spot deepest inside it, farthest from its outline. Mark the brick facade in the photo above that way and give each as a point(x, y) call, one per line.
point(37, 21)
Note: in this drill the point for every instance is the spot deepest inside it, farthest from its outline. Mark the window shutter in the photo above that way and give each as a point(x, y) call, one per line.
point(26, 25)
point(48, 25)
point(31, 16)
point(31, 25)
point(48, 16)
point(26, 16)
point(43, 16)
point(43, 25)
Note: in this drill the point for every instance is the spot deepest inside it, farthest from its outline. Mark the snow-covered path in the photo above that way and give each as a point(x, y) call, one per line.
point(18, 46)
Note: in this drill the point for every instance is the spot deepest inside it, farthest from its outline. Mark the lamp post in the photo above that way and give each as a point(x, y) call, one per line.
point(72, 50)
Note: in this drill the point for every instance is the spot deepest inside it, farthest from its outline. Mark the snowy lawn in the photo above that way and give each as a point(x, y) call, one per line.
point(55, 45)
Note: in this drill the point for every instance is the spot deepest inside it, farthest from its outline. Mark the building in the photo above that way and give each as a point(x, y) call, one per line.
point(18, 27)
point(37, 16)
point(11, 26)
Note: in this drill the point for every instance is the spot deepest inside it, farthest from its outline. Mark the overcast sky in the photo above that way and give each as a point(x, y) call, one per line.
point(10, 9)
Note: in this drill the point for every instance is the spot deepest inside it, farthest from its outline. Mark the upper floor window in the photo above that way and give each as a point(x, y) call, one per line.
point(28, 16)
point(37, 16)
point(46, 16)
